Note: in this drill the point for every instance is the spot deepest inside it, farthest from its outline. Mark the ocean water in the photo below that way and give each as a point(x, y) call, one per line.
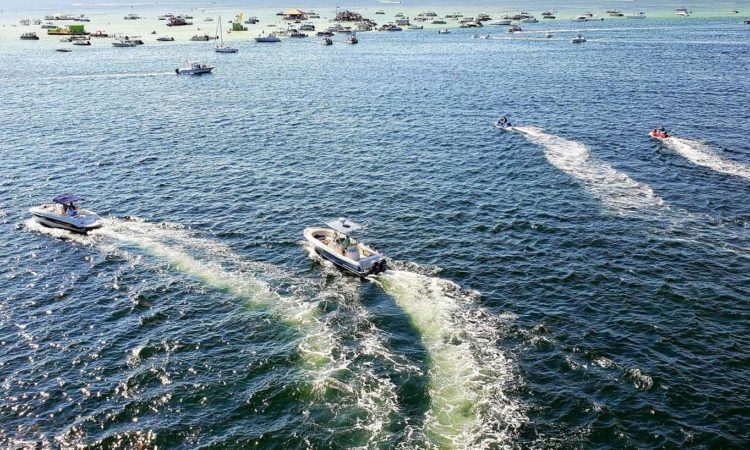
point(571, 283)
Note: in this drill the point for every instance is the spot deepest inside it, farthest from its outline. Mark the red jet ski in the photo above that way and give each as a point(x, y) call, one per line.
point(658, 134)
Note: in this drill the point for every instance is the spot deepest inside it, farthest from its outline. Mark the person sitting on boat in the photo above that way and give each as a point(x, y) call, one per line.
point(663, 130)
point(70, 210)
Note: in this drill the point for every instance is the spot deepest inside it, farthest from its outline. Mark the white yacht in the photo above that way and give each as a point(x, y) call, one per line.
point(265, 38)
point(640, 15)
point(501, 22)
point(335, 243)
point(64, 214)
point(123, 43)
point(165, 38)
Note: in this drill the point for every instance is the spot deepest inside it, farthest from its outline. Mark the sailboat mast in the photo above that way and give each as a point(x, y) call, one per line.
point(221, 33)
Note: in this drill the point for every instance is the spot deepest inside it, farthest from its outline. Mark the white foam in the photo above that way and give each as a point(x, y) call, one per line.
point(701, 154)
point(613, 188)
point(468, 374)
point(324, 359)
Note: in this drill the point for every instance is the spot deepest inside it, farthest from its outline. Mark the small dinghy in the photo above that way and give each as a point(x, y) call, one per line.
point(335, 243)
point(64, 214)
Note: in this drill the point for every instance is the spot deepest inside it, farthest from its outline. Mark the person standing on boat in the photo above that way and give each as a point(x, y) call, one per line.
point(345, 245)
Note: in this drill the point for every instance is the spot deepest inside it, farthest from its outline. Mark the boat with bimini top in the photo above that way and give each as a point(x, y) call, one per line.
point(63, 213)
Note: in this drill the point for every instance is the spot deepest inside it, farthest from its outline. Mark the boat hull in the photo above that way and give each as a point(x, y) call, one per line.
point(658, 135)
point(194, 71)
point(371, 265)
point(81, 224)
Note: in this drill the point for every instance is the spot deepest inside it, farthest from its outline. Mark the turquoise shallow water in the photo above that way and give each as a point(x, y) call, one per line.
point(568, 284)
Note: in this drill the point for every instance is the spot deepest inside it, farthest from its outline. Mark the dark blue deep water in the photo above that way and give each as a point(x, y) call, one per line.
point(569, 284)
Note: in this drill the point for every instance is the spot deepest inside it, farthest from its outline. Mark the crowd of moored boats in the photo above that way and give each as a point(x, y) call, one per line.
point(299, 25)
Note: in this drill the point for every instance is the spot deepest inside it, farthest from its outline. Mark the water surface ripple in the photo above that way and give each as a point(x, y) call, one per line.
point(569, 284)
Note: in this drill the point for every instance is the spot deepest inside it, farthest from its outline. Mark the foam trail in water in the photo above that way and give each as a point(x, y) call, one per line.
point(338, 379)
point(615, 189)
point(469, 377)
point(701, 154)
point(109, 75)
point(316, 345)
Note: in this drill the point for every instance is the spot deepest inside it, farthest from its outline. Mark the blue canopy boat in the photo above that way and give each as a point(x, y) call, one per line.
point(64, 214)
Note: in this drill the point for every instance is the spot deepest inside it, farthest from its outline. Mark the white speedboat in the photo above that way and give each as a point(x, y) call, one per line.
point(579, 39)
point(335, 243)
point(352, 39)
point(444, 31)
point(195, 68)
point(501, 22)
point(64, 214)
point(124, 43)
point(326, 41)
point(265, 38)
point(165, 39)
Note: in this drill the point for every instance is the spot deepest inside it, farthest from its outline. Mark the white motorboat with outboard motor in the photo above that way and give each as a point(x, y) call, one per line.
point(64, 214)
point(195, 68)
point(335, 243)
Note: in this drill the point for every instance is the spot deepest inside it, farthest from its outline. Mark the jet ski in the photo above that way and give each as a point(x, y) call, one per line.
point(503, 124)
point(64, 214)
point(660, 134)
point(335, 243)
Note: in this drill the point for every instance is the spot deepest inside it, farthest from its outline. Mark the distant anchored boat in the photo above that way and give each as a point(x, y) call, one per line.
point(266, 38)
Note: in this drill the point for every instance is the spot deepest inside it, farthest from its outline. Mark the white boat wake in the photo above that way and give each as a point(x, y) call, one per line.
point(469, 376)
point(613, 188)
point(336, 378)
point(703, 155)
